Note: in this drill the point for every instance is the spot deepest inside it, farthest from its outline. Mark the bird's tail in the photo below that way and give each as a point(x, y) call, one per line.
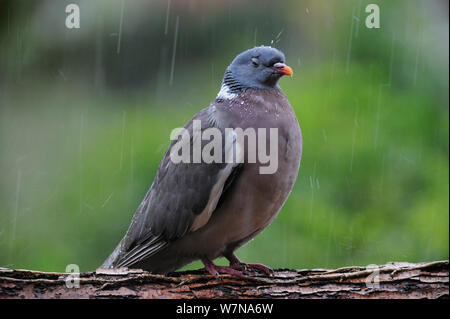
point(126, 257)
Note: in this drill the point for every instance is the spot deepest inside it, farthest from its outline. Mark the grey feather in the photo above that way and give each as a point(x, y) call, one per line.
point(177, 196)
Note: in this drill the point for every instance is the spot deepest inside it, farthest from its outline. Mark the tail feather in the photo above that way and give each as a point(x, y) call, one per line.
point(142, 251)
point(125, 257)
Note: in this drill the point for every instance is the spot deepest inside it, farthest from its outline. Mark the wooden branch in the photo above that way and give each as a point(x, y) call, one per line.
point(395, 280)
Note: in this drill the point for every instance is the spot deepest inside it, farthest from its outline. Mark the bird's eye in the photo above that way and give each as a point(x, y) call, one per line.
point(275, 61)
point(255, 62)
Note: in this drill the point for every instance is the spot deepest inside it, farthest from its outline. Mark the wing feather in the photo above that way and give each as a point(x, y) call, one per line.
point(181, 199)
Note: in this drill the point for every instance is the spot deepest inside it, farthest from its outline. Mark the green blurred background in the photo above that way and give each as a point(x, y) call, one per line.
point(85, 117)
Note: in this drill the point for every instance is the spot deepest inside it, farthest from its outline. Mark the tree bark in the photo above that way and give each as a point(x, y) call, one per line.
point(392, 280)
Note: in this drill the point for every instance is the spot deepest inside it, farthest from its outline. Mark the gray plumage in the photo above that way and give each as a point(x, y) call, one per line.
point(204, 211)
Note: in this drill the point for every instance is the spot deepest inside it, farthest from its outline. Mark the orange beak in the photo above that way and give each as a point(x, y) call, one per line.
point(284, 69)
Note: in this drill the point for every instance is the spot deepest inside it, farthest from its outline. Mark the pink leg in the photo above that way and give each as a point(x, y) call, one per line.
point(216, 270)
point(235, 263)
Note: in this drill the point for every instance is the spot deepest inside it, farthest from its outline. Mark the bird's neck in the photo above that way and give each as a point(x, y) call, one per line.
point(230, 87)
point(234, 86)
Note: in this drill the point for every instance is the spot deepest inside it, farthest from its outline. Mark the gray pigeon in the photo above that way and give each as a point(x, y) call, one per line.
point(202, 210)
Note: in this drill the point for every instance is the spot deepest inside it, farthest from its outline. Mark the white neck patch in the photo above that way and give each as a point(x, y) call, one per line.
point(225, 93)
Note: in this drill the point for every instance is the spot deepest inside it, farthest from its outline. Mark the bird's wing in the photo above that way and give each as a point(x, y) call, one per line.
point(181, 199)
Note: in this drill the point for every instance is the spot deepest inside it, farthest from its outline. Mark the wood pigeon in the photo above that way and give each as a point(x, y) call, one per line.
point(198, 210)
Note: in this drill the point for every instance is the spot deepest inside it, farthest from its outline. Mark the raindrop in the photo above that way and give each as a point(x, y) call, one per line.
point(174, 51)
point(16, 209)
point(311, 183)
point(107, 200)
point(330, 236)
point(131, 158)
point(81, 161)
point(324, 134)
point(166, 29)
point(380, 87)
point(123, 138)
point(354, 134)
point(119, 39)
point(349, 48)
point(357, 19)
point(277, 38)
point(416, 66)
point(62, 74)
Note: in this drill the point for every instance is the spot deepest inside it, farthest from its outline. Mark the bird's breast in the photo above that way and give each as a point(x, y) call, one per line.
point(262, 187)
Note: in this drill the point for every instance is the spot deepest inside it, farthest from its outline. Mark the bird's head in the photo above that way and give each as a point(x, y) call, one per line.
point(260, 67)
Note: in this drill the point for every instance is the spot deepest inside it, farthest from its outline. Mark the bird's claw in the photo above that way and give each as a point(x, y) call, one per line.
point(217, 270)
point(236, 268)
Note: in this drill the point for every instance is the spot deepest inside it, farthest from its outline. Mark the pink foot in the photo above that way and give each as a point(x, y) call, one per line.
point(235, 263)
point(216, 270)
